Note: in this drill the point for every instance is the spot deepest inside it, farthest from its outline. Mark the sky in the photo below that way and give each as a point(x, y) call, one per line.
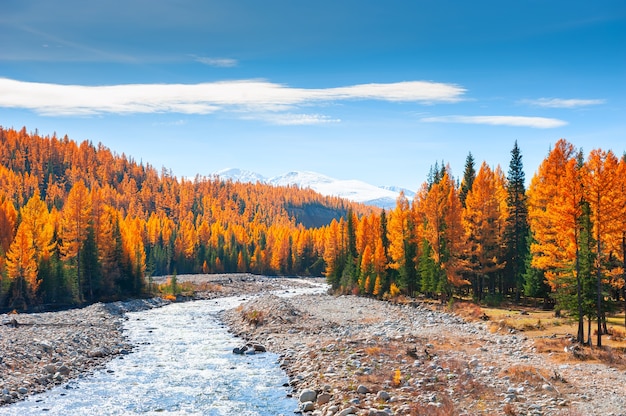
point(353, 89)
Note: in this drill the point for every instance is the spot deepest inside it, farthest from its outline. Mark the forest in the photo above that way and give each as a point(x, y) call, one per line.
point(80, 223)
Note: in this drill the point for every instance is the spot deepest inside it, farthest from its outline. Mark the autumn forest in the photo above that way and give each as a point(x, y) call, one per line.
point(80, 223)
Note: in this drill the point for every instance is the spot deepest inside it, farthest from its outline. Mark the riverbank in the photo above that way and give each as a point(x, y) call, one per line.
point(43, 350)
point(353, 355)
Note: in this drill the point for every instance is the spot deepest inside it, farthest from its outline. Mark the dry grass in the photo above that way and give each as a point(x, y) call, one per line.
point(443, 407)
point(521, 373)
point(254, 317)
point(617, 334)
point(373, 351)
point(469, 311)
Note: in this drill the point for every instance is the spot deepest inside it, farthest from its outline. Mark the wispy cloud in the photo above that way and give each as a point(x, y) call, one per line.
point(563, 102)
point(217, 62)
point(290, 119)
point(516, 121)
point(251, 96)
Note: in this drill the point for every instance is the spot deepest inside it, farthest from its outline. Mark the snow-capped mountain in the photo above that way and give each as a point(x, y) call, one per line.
point(354, 190)
point(240, 175)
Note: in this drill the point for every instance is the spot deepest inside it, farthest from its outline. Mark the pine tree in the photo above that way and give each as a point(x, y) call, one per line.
point(517, 229)
point(469, 174)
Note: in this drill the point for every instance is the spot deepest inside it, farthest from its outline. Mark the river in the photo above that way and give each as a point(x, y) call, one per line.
point(183, 365)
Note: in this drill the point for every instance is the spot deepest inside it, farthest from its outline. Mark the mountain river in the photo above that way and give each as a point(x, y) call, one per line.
point(183, 364)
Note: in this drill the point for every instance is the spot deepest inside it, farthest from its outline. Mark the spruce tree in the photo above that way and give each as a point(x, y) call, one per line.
point(468, 178)
point(517, 229)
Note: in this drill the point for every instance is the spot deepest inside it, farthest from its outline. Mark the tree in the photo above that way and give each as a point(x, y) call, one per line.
point(402, 244)
point(22, 267)
point(483, 220)
point(601, 185)
point(516, 231)
point(75, 219)
point(440, 213)
point(469, 174)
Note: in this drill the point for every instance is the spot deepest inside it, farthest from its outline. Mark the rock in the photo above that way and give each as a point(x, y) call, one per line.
point(64, 370)
point(100, 352)
point(240, 351)
point(307, 395)
point(50, 368)
point(547, 387)
point(259, 348)
point(22, 390)
point(362, 389)
point(324, 398)
point(12, 323)
point(307, 406)
point(347, 411)
point(376, 412)
point(383, 396)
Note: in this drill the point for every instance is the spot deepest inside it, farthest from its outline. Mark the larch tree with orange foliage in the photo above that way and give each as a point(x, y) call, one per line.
point(444, 244)
point(560, 223)
point(22, 267)
point(75, 222)
point(402, 245)
point(483, 219)
point(601, 183)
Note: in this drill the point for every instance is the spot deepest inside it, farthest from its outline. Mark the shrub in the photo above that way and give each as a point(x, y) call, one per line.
point(254, 317)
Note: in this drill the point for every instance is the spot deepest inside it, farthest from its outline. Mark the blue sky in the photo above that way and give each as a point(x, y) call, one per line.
point(370, 90)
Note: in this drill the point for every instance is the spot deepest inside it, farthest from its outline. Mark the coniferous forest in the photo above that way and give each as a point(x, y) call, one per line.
point(80, 223)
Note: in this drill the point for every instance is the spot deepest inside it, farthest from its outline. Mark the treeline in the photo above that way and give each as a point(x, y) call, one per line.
point(79, 223)
point(488, 237)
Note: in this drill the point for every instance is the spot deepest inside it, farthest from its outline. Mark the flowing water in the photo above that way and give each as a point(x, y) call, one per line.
point(183, 365)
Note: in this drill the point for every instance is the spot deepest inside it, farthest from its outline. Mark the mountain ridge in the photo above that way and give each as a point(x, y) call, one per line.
point(352, 189)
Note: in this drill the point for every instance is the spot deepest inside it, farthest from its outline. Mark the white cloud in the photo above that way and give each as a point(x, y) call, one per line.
point(517, 121)
point(290, 119)
point(564, 102)
point(243, 95)
point(218, 62)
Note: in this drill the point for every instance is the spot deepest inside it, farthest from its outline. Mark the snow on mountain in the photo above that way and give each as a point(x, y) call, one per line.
point(352, 189)
point(240, 175)
point(407, 192)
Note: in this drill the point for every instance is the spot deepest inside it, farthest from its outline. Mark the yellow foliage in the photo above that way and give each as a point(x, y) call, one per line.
point(394, 290)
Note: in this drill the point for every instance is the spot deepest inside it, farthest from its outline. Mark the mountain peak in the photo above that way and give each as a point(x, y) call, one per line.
point(351, 189)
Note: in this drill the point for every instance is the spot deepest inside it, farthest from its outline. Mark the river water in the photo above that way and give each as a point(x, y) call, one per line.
point(183, 364)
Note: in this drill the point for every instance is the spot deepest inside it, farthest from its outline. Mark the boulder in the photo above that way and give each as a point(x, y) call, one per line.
point(324, 398)
point(383, 396)
point(362, 389)
point(241, 350)
point(307, 406)
point(307, 395)
point(348, 411)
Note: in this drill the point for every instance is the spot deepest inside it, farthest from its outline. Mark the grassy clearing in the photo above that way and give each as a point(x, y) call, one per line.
point(551, 334)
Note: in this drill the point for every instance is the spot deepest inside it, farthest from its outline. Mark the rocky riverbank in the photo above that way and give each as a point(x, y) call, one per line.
point(41, 350)
point(352, 355)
